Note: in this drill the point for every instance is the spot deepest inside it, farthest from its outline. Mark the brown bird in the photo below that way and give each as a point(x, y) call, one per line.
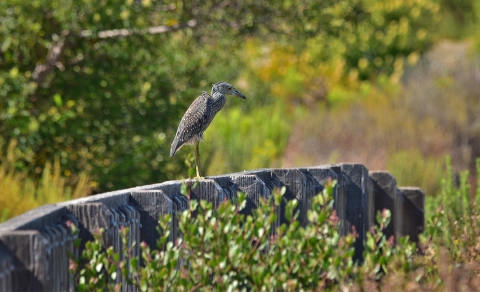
point(198, 117)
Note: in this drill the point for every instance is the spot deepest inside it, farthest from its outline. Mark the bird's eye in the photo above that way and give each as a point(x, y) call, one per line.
point(229, 88)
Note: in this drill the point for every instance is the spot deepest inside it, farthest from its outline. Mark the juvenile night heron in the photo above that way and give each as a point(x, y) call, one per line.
point(198, 117)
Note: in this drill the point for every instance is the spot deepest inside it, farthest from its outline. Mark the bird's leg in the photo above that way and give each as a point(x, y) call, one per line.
point(197, 158)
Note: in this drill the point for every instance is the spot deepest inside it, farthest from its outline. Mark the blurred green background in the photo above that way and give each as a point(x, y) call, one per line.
point(91, 92)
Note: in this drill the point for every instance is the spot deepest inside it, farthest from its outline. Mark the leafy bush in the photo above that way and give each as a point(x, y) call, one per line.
point(224, 250)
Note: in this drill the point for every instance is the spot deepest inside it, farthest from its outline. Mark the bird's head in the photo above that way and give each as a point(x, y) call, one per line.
point(226, 88)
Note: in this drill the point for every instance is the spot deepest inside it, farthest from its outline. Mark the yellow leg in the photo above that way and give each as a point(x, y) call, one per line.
point(197, 158)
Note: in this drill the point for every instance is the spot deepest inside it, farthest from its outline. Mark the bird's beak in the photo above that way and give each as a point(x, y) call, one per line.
point(237, 93)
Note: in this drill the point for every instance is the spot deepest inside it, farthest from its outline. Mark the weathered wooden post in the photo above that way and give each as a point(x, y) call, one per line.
point(358, 202)
point(6, 269)
point(250, 184)
point(263, 181)
point(317, 177)
point(411, 208)
point(387, 196)
point(153, 205)
point(37, 244)
point(110, 212)
point(295, 182)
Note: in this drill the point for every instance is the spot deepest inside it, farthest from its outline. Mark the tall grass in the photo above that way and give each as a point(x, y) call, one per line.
point(461, 235)
point(412, 168)
point(20, 193)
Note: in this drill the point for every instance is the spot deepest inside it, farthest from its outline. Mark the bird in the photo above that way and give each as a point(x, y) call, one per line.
point(198, 117)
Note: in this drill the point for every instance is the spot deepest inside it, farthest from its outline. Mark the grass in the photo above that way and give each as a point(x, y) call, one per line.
point(20, 193)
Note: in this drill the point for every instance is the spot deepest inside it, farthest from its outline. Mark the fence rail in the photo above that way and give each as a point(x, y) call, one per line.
point(34, 245)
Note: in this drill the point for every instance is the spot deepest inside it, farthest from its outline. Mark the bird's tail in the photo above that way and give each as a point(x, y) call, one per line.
point(175, 147)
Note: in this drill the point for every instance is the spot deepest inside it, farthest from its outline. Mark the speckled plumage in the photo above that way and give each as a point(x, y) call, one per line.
point(200, 114)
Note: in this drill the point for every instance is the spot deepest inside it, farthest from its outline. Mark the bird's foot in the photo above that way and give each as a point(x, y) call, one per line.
point(199, 177)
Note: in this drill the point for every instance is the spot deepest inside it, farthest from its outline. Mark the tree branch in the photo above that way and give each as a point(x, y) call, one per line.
point(54, 54)
point(123, 32)
point(58, 47)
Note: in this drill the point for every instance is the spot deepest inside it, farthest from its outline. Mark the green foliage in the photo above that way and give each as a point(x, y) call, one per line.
point(19, 192)
point(396, 30)
point(99, 271)
point(460, 18)
point(90, 81)
point(225, 250)
point(380, 38)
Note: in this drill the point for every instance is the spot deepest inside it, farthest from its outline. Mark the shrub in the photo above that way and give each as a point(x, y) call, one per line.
point(224, 250)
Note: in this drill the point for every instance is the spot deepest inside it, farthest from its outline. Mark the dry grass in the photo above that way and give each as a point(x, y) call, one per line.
point(20, 193)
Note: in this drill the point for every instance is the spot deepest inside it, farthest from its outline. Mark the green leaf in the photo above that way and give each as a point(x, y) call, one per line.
point(370, 242)
point(57, 99)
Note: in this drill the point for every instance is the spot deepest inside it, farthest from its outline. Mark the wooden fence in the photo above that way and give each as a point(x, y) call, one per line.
point(34, 245)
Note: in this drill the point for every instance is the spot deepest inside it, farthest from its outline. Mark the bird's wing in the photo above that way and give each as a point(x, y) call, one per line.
point(193, 122)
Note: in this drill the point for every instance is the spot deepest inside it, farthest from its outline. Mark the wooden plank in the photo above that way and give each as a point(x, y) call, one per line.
point(35, 219)
point(295, 184)
point(206, 189)
point(250, 184)
point(233, 185)
point(229, 185)
point(386, 196)
point(110, 200)
point(57, 257)
point(95, 216)
point(152, 205)
point(263, 180)
point(316, 178)
point(254, 187)
point(340, 200)
point(412, 209)
point(44, 250)
point(132, 216)
point(359, 203)
point(31, 266)
point(6, 269)
point(180, 204)
point(91, 218)
point(266, 175)
point(108, 205)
